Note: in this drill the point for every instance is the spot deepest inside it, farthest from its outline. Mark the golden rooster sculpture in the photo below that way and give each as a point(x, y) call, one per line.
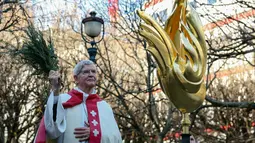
point(180, 51)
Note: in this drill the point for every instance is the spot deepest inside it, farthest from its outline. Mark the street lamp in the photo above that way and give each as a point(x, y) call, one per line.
point(92, 27)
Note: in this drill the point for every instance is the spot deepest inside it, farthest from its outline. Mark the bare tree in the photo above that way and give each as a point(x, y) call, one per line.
point(22, 98)
point(126, 80)
point(230, 62)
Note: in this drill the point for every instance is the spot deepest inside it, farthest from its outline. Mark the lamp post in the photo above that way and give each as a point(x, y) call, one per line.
point(91, 27)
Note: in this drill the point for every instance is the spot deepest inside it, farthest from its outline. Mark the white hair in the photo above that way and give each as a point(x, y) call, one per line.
point(77, 69)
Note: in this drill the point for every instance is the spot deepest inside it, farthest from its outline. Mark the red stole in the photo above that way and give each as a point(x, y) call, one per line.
point(93, 116)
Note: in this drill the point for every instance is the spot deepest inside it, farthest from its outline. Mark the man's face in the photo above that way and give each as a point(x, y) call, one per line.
point(87, 77)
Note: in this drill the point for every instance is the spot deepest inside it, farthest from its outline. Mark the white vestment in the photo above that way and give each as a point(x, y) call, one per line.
point(70, 118)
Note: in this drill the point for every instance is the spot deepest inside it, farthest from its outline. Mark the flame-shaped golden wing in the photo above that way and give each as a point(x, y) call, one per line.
point(180, 52)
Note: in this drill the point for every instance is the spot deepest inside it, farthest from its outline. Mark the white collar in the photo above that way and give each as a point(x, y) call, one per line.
point(85, 95)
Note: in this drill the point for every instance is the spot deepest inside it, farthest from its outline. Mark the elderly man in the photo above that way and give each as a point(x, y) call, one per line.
point(79, 115)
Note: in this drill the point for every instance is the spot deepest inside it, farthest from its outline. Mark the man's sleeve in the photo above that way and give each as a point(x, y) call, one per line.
point(55, 126)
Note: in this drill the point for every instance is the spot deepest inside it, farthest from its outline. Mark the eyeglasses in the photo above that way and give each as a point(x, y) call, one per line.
point(88, 72)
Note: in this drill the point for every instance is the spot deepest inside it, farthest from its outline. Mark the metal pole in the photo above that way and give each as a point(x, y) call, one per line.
point(185, 128)
point(185, 138)
point(92, 51)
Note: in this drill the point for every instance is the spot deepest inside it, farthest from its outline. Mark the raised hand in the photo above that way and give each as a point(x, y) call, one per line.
point(54, 78)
